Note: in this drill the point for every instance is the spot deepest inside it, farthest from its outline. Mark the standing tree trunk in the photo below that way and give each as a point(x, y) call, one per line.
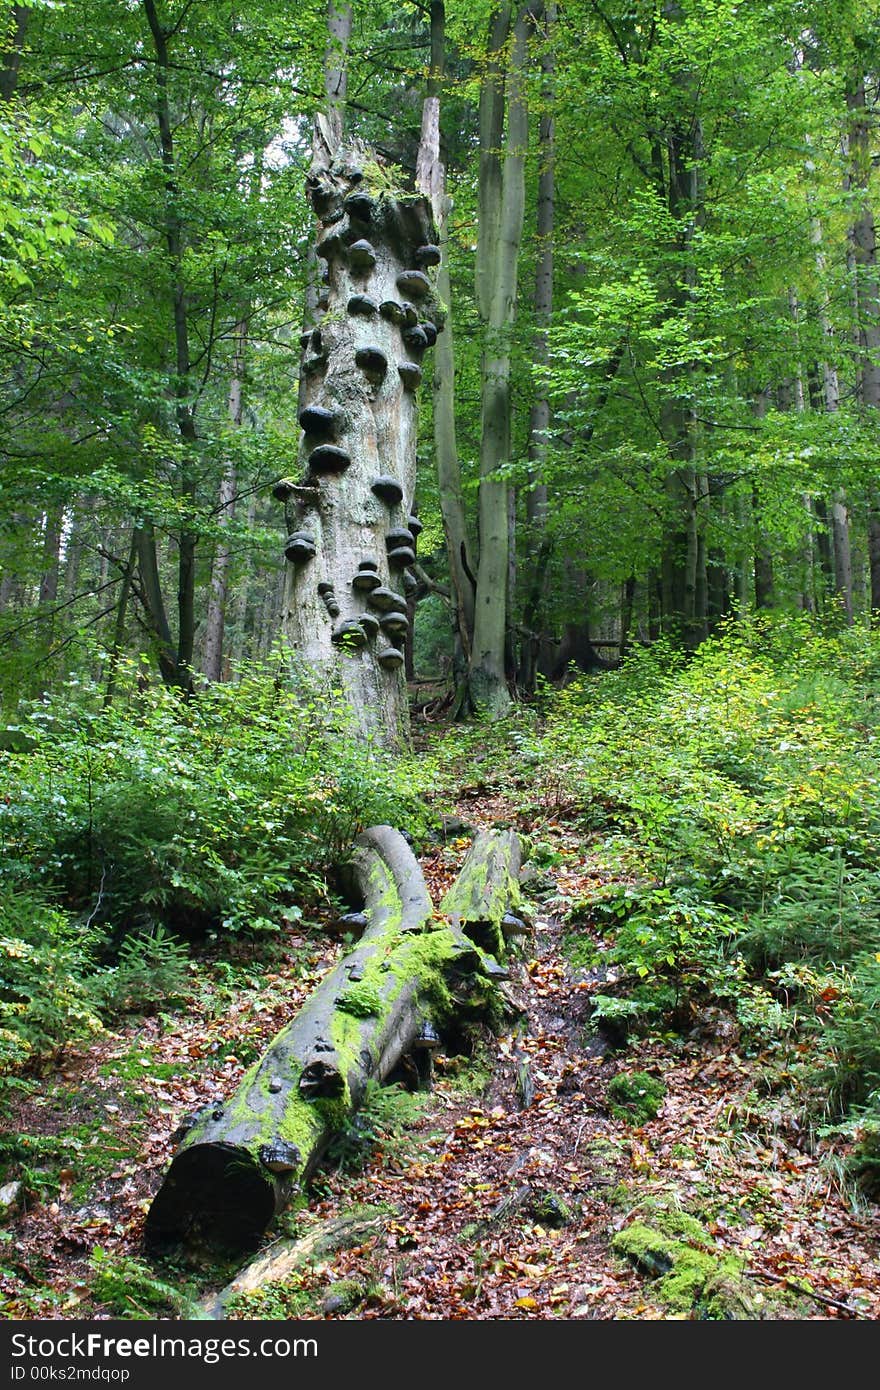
point(216, 621)
point(431, 181)
point(863, 239)
point(10, 52)
point(500, 235)
point(352, 535)
point(831, 400)
point(539, 418)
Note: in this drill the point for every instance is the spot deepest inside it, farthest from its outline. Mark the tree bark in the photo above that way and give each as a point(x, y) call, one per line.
point(863, 238)
point(10, 53)
point(350, 512)
point(498, 260)
point(431, 181)
point(539, 416)
point(216, 620)
point(487, 888)
point(242, 1161)
point(840, 540)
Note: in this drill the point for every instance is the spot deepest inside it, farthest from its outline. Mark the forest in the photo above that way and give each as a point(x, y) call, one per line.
point(439, 660)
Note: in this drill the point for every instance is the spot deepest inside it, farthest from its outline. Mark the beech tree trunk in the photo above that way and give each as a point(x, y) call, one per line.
point(11, 45)
point(431, 181)
point(500, 234)
point(216, 620)
point(242, 1161)
point(863, 239)
point(839, 518)
point(539, 416)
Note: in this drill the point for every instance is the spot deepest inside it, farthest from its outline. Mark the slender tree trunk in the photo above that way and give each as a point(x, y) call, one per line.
point(431, 181)
point(863, 239)
point(683, 560)
point(539, 543)
point(154, 605)
point(182, 384)
point(238, 644)
point(840, 539)
point(213, 663)
point(763, 558)
point(119, 624)
point(48, 591)
point(499, 244)
point(11, 50)
point(627, 603)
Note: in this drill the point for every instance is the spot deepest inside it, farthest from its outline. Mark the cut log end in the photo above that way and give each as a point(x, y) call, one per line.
point(217, 1195)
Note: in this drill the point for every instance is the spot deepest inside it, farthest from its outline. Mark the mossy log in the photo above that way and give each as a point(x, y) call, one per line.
point(242, 1161)
point(284, 1257)
point(481, 899)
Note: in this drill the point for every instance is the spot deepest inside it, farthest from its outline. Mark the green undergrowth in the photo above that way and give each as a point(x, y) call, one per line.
point(731, 802)
point(130, 834)
point(733, 798)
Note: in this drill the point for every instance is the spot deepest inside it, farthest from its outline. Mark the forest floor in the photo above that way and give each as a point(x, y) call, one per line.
point(508, 1190)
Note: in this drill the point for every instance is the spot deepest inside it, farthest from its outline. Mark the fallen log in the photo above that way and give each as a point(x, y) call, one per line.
point(487, 888)
point(242, 1161)
point(283, 1258)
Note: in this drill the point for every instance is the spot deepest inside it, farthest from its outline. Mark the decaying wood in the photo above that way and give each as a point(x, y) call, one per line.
point(242, 1161)
point(349, 510)
point(284, 1257)
point(481, 898)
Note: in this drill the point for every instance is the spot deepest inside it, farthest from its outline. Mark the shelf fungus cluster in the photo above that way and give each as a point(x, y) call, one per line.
point(349, 512)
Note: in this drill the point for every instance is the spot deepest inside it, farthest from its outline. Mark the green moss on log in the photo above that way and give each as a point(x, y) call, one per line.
point(691, 1279)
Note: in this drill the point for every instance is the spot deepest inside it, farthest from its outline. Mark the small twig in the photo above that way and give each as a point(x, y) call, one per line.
point(577, 1142)
point(94, 911)
point(799, 1287)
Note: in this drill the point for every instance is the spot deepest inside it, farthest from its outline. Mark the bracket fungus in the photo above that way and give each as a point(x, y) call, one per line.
point(387, 600)
point(328, 594)
point(363, 305)
point(300, 547)
point(317, 419)
point(359, 205)
point(372, 362)
point(396, 624)
point(410, 374)
point(361, 255)
point(349, 634)
point(414, 283)
point(365, 581)
point(415, 338)
point(329, 458)
point(401, 556)
point(389, 658)
point(398, 535)
point(279, 1156)
point(392, 312)
point(388, 489)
